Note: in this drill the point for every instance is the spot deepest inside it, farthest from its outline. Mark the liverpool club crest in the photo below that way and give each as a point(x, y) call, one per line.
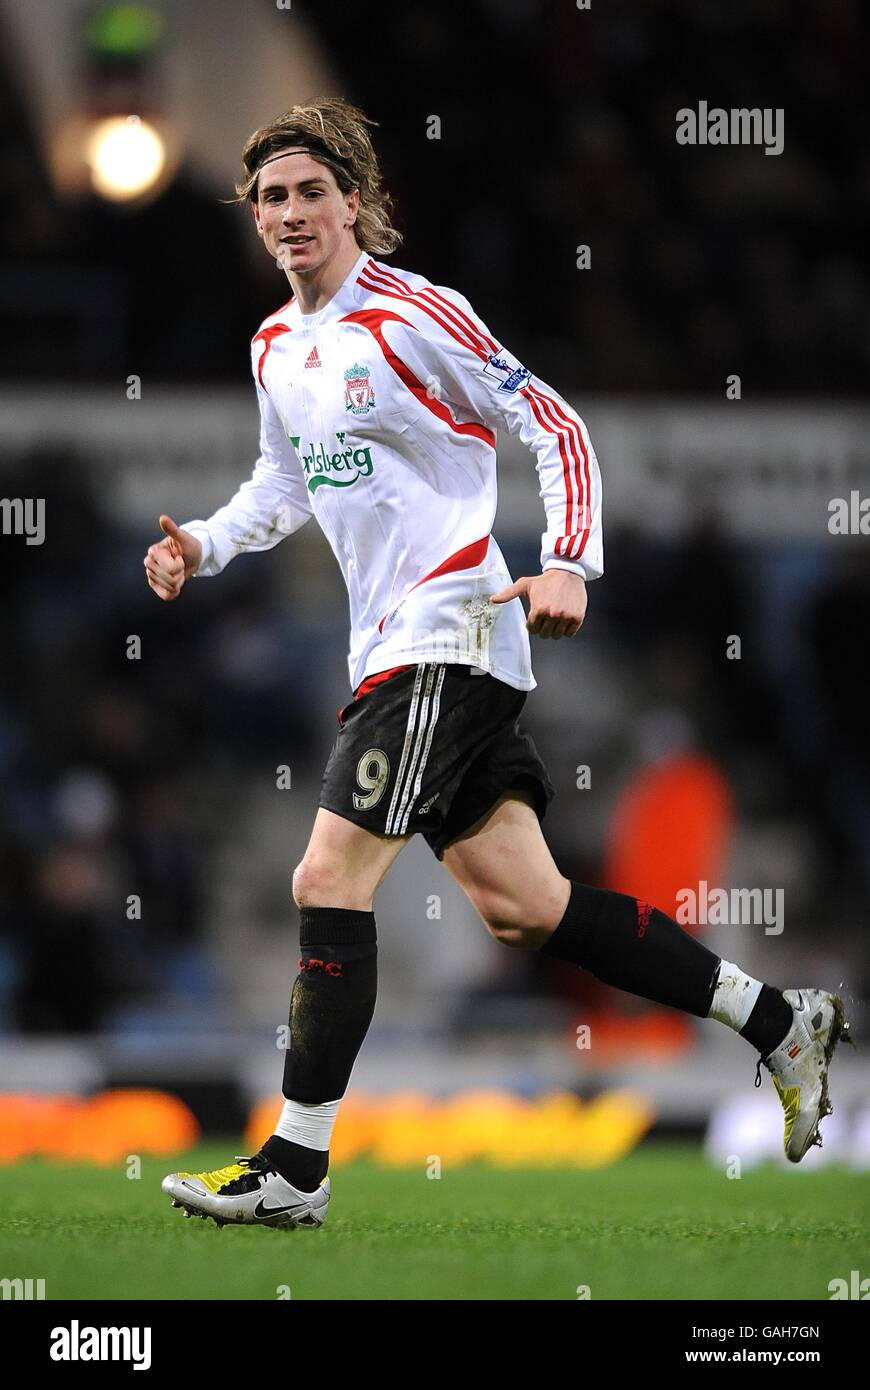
point(359, 396)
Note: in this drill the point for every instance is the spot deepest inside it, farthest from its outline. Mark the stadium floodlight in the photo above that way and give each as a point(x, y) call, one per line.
point(126, 157)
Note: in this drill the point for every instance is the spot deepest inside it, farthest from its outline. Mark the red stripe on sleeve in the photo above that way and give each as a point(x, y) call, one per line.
point(373, 319)
point(267, 336)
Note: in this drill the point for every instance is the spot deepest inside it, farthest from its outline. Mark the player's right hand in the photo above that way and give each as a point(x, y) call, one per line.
point(170, 561)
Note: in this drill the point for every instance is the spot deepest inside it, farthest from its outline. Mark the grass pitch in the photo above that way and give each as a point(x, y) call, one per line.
point(660, 1224)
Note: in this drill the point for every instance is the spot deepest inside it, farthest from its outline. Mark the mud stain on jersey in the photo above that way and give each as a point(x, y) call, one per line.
point(479, 617)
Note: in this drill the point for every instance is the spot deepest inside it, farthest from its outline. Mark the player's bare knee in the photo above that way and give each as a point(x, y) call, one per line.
point(328, 881)
point(297, 888)
point(503, 920)
point(315, 884)
point(509, 935)
point(513, 922)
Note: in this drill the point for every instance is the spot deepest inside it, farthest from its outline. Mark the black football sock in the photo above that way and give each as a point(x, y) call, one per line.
point(626, 942)
point(304, 1168)
point(331, 1007)
point(769, 1021)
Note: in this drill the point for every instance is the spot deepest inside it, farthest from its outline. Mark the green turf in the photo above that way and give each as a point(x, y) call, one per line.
point(660, 1224)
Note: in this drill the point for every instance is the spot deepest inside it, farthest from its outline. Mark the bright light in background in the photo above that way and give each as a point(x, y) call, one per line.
point(126, 157)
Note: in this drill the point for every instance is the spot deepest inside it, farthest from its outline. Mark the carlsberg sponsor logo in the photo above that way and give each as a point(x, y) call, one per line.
point(340, 469)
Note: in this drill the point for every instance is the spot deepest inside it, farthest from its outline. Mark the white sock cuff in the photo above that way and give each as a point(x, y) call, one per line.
point(308, 1125)
point(734, 997)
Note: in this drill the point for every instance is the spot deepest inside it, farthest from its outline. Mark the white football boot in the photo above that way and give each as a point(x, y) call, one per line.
point(248, 1192)
point(799, 1066)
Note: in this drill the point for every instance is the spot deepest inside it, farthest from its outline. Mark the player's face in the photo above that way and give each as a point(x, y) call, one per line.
point(301, 213)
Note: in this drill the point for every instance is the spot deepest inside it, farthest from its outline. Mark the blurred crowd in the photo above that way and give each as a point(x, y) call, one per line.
point(557, 130)
point(122, 724)
point(133, 735)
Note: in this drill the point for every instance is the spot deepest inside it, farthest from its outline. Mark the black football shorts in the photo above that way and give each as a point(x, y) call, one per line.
point(430, 750)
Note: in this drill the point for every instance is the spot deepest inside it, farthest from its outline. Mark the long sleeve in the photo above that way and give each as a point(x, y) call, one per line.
point(272, 504)
point(457, 359)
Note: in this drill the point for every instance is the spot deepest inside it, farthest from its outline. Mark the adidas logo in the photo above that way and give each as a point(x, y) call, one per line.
point(313, 358)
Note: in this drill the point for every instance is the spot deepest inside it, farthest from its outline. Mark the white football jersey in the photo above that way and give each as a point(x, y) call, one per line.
point(379, 416)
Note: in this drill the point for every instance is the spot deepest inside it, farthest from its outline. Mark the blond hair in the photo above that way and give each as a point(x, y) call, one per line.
point(334, 133)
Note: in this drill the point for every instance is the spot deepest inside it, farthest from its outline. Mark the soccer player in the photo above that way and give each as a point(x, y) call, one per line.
point(380, 395)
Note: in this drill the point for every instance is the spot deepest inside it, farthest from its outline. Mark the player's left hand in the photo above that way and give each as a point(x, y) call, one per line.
point(557, 602)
